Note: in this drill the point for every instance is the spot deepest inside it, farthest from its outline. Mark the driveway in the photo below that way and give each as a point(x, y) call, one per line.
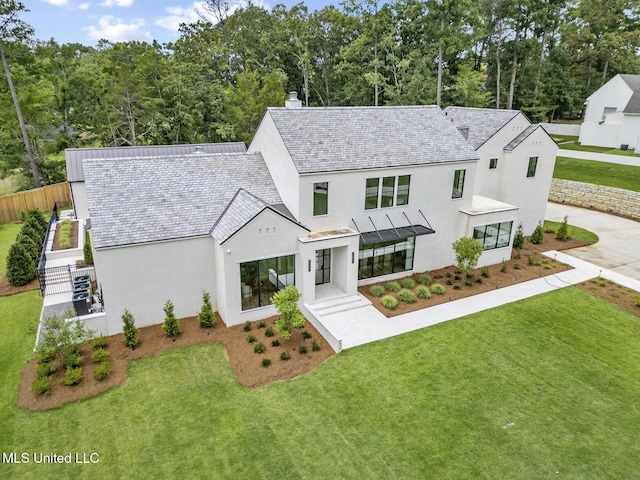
point(619, 247)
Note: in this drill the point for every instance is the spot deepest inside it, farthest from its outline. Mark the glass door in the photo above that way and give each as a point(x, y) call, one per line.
point(323, 266)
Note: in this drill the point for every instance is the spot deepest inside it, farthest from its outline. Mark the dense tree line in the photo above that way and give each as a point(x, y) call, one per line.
point(213, 84)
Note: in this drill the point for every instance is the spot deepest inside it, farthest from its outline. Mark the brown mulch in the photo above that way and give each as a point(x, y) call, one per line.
point(74, 237)
point(7, 289)
point(245, 363)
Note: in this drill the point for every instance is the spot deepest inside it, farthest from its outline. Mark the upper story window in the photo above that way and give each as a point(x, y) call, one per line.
point(608, 111)
point(387, 192)
point(493, 163)
point(458, 184)
point(320, 198)
point(533, 164)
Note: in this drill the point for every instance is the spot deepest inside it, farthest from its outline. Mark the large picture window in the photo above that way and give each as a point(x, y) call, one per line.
point(320, 198)
point(387, 192)
point(458, 184)
point(384, 258)
point(492, 236)
point(260, 279)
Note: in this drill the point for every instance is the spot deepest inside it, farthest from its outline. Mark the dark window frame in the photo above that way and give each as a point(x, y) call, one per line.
point(320, 198)
point(458, 183)
point(486, 234)
point(384, 198)
point(493, 163)
point(532, 167)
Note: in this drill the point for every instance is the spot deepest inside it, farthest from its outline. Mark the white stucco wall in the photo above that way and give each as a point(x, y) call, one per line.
point(142, 278)
point(267, 140)
point(79, 198)
point(614, 93)
point(496, 255)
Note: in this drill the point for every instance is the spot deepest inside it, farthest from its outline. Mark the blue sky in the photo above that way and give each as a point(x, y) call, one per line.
point(86, 22)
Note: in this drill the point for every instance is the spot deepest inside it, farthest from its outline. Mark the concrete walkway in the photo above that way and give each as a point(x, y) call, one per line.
point(618, 248)
point(599, 157)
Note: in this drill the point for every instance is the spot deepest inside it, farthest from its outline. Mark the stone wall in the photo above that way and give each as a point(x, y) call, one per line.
point(607, 199)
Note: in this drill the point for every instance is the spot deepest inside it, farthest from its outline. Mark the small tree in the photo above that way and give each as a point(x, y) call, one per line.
point(468, 251)
point(33, 222)
point(31, 247)
point(537, 235)
point(37, 215)
point(518, 238)
point(61, 338)
point(32, 233)
point(88, 253)
point(20, 267)
point(130, 331)
point(206, 317)
point(563, 229)
point(171, 326)
point(286, 303)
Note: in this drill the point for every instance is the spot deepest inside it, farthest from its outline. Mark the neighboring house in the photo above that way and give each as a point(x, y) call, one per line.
point(326, 199)
point(612, 115)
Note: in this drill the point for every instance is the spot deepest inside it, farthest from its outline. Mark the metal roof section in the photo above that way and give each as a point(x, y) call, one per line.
point(521, 137)
point(140, 200)
point(633, 81)
point(336, 139)
point(481, 123)
point(74, 156)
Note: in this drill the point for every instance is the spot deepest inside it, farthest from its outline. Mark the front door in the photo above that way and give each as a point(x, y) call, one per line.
point(323, 266)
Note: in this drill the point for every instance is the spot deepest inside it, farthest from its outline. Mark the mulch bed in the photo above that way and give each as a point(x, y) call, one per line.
point(7, 289)
point(245, 363)
point(74, 237)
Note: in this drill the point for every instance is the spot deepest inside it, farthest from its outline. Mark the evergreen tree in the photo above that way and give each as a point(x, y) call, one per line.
point(538, 235)
point(171, 326)
point(206, 317)
point(20, 267)
point(518, 238)
point(130, 331)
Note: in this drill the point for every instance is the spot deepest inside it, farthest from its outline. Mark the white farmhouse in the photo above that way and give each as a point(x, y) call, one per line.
point(326, 199)
point(612, 115)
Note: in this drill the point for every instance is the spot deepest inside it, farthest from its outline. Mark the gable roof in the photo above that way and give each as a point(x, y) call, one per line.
point(633, 81)
point(74, 156)
point(482, 123)
point(321, 139)
point(140, 200)
point(521, 137)
point(243, 208)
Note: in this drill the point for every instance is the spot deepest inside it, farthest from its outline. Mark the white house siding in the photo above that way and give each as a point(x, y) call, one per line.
point(79, 198)
point(496, 255)
point(630, 132)
point(253, 242)
point(267, 141)
point(142, 278)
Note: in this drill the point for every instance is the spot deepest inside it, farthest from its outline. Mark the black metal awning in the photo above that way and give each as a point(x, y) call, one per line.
point(398, 233)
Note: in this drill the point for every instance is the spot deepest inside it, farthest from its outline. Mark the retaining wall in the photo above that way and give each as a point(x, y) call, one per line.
point(607, 199)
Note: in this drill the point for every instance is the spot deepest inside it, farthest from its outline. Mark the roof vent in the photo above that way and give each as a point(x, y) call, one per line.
point(293, 101)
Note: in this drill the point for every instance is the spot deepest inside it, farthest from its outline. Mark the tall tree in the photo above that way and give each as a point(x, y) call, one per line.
point(14, 29)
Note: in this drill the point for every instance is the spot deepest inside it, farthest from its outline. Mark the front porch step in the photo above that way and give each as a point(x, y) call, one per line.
point(340, 304)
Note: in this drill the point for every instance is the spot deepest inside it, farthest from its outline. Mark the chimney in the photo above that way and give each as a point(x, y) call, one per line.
point(292, 101)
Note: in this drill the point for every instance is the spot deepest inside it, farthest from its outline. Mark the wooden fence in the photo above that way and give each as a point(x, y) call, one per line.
point(40, 198)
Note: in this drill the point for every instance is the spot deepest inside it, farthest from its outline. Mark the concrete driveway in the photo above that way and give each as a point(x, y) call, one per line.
point(619, 247)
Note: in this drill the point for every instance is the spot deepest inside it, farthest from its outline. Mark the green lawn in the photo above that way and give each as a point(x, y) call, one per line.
point(574, 232)
point(599, 173)
point(571, 143)
point(543, 388)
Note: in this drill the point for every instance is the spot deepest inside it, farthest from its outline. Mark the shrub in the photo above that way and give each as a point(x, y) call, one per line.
point(62, 339)
point(423, 292)
point(87, 252)
point(377, 290)
point(268, 332)
point(275, 343)
point(392, 287)
point(517, 255)
point(518, 238)
point(538, 235)
point(516, 265)
point(99, 342)
point(40, 229)
point(503, 268)
point(45, 354)
point(32, 249)
point(100, 355)
point(315, 346)
point(130, 331)
point(468, 283)
point(306, 335)
point(41, 386)
point(30, 232)
point(259, 348)
point(636, 301)
point(449, 282)
point(20, 267)
point(448, 274)
point(563, 229)
point(265, 362)
point(285, 356)
point(64, 233)
point(479, 280)
point(407, 283)
point(171, 325)
point(457, 277)
point(529, 259)
point(424, 279)
point(251, 338)
point(45, 369)
point(389, 302)
point(261, 324)
point(484, 272)
point(72, 376)
point(206, 317)
point(302, 349)
point(286, 303)
point(456, 286)
point(38, 217)
point(407, 296)
point(247, 327)
point(102, 370)
point(71, 360)
point(438, 289)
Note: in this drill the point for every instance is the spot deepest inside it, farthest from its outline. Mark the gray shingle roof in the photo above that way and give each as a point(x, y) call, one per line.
point(139, 200)
point(633, 105)
point(74, 156)
point(352, 138)
point(483, 123)
point(521, 137)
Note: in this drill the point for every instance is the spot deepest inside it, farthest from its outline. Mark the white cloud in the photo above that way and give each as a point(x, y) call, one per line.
point(57, 3)
point(83, 6)
point(115, 30)
point(116, 3)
